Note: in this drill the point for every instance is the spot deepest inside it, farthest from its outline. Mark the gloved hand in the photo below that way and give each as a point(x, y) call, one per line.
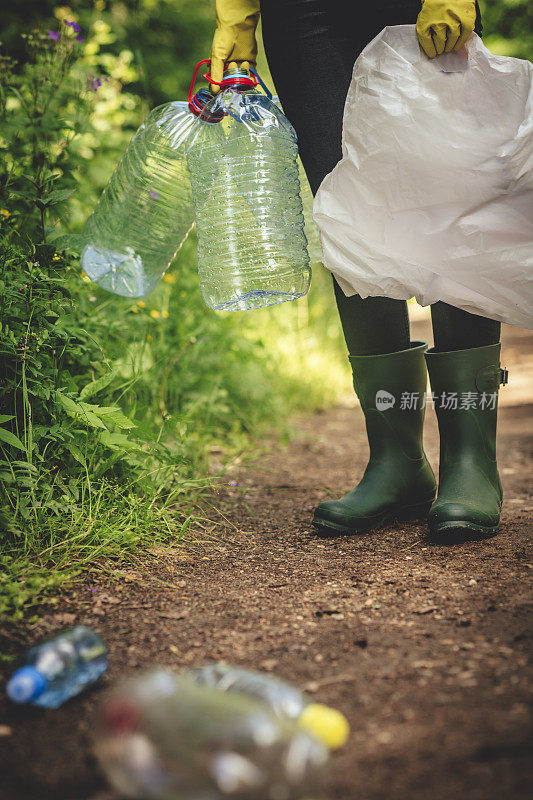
point(234, 36)
point(445, 25)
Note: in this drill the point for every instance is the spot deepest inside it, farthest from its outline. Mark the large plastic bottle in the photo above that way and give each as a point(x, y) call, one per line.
point(252, 249)
point(146, 210)
point(284, 698)
point(163, 737)
point(58, 669)
point(242, 152)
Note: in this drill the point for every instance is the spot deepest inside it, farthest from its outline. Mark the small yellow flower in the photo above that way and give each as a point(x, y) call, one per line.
point(135, 309)
point(165, 314)
point(154, 314)
point(169, 278)
point(5, 213)
point(55, 258)
point(149, 337)
point(141, 304)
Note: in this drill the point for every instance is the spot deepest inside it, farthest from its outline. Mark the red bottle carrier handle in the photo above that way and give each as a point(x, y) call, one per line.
point(240, 80)
point(191, 87)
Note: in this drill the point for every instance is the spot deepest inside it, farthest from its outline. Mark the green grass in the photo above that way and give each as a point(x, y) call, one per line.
point(199, 387)
point(115, 413)
point(101, 533)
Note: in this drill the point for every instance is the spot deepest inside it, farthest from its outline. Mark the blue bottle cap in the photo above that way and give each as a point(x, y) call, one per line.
point(25, 685)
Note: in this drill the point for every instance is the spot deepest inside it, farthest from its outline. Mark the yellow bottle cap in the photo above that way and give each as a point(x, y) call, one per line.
point(327, 724)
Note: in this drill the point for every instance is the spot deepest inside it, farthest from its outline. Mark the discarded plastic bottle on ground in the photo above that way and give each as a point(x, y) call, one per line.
point(282, 697)
point(58, 669)
point(146, 211)
point(163, 737)
point(252, 249)
point(285, 699)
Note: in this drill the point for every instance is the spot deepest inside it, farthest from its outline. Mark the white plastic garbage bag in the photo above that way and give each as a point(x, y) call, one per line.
point(433, 197)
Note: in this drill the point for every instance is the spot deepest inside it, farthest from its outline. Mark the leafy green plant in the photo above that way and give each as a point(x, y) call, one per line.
point(508, 27)
point(71, 461)
point(111, 410)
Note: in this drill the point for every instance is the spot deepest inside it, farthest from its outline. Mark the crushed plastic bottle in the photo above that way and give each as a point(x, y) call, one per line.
point(230, 162)
point(145, 212)
point(163, 737)
point(58, 669)
point(285, 699)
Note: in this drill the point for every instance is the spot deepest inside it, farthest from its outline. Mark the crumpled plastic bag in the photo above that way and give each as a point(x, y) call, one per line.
point(433, 197)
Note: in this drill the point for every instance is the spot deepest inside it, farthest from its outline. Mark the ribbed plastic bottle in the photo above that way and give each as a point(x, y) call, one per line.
point(285, 699)
point(146, 210)
point(252, 249)
point(163, 737)
point(58, 669)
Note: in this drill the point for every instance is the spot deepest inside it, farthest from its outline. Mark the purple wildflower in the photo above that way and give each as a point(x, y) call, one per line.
point(233, 483)
point(94, 83)
point(54, 35)
point(153, 195)
point(74, 25)
point(79, 38)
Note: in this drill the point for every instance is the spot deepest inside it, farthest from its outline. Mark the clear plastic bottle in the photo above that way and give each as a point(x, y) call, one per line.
point(163, 737)
point(285, 699)
point(252, 249)
point(146, 210)
point(242, 154)
point(58, 669)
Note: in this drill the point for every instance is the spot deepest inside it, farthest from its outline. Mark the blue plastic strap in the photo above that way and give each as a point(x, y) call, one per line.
point(263, 86)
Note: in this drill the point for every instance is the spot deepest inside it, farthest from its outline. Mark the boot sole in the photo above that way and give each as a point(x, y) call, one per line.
point(327, 529)
point(461, 531)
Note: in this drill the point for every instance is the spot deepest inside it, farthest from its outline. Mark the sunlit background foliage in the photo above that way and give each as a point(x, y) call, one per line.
point(115, 414)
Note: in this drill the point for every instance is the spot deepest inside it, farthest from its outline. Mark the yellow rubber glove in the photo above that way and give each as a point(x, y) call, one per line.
point(445, 25)
point(234, 36)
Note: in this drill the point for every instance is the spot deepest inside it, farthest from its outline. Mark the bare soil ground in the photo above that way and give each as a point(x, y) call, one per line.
point(424, 647)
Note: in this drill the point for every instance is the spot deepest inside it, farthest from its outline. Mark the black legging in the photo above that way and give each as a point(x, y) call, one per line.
point(311, 46)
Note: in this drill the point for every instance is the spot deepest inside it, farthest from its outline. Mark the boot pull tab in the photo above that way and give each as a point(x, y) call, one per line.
point(488, 379)
point(504, 376)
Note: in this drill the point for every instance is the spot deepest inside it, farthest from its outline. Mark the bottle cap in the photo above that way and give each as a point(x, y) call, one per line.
point(25, 685)
point(327, 724)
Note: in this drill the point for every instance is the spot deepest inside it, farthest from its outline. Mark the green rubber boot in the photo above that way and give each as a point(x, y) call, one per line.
point(398, 482)
point(465, 387)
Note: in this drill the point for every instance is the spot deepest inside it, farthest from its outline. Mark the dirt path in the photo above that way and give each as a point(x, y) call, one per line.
point(424, 647)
